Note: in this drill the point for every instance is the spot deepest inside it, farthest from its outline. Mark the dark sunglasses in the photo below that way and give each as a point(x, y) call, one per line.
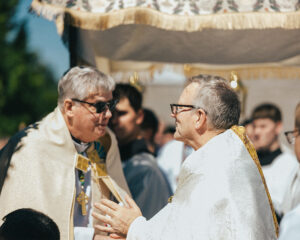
point(100, 106)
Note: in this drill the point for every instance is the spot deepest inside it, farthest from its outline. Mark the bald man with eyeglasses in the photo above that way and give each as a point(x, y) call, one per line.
point(70, 159)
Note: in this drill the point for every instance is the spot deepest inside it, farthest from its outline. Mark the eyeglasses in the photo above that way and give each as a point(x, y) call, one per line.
point(177, 108)
point(100, 106)
point(291, 135)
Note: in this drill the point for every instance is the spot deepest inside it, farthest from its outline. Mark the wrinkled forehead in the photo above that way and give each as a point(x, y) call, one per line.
point(100, 94)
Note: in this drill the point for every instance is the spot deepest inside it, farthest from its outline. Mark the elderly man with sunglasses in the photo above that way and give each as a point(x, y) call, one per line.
point(69, 160)
point(221, 192)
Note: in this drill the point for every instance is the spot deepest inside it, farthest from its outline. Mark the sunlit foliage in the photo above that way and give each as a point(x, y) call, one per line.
point(27, 87)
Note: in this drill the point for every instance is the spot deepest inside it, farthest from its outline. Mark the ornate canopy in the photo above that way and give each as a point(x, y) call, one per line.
point(256, 38)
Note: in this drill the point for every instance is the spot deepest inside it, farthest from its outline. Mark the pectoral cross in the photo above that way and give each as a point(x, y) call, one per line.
point(82, 199)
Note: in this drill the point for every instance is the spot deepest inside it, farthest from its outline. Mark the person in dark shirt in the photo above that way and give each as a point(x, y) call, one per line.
point(147, 183)
point(149, 129)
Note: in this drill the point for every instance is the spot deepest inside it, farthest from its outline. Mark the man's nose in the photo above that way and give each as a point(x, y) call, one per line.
point(108, 113)
point(173, 115)
point(256, 132)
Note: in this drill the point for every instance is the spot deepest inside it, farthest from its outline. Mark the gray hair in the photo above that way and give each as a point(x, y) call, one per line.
point(80, 82)
point(218, 100)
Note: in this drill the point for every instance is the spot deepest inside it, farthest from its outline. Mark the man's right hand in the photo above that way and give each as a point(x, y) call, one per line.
point(117, 218)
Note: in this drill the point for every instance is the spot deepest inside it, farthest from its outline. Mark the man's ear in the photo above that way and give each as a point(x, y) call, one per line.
point(278, 128)
point(200, 119)
point(140, 117)
point(68, 107)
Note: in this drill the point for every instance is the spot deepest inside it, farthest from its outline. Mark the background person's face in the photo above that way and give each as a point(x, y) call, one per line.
point(88, 125)
point(125, 122)
point(265, 133)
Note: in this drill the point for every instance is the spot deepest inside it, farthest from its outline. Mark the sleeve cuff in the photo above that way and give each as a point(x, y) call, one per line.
point(137, 228)
point(83, 233)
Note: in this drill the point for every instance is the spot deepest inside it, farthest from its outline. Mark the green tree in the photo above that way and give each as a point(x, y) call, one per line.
point(27, 88)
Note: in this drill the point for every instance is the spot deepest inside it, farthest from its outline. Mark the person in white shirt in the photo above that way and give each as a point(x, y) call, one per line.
point(221, 192)
point(170, 159)
point(290, 225)
point(277, 165)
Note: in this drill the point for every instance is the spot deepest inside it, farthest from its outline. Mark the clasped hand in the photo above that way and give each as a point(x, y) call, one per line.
point(118, 217)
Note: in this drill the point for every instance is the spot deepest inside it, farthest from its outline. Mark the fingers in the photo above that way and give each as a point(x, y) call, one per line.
point(105, 229)
point(101, 237)
point(110, 204)
point(104, 209)
point(131, 202)
point(104, 219)
point(116, 236)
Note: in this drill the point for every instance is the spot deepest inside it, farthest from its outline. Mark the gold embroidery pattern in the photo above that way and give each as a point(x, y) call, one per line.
point(82, 163)
point(240, 131)
point(97, 163)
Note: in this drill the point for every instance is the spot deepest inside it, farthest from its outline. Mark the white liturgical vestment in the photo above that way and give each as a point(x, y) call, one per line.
point(292, 195)
point(41, 174)
point(290, 225)
point(220, 195)
point(278, 176)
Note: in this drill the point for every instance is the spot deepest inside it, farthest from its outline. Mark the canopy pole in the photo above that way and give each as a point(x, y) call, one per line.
point(73, 45)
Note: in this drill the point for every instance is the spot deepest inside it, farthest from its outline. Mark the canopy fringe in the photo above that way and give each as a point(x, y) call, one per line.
point(248, 72)
point(139, 15)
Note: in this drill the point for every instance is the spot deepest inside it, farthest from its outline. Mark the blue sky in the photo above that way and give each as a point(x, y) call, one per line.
point(44, 40)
